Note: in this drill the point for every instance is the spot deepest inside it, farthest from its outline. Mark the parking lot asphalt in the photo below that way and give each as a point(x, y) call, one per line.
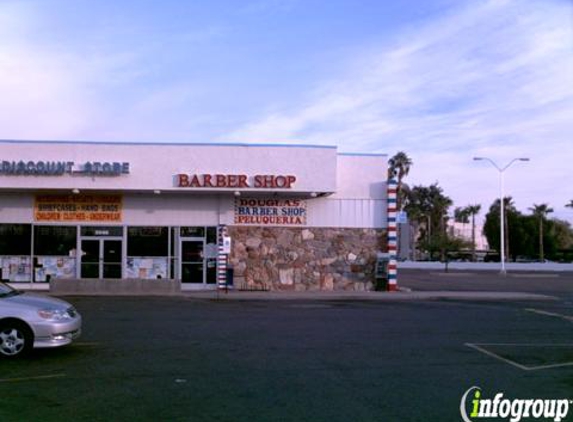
point(190, 358)
point(556, 284)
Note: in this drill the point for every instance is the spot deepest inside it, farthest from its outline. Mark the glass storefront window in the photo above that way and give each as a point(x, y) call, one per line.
point(55, 240)
point(15, 248)
point(192, 231)
point(211, 255)
point(147, 252)
point(211, 234)
point(54, 252)
point(173, 259)
point(147, 241)
point(150, 254)
point(15, 239)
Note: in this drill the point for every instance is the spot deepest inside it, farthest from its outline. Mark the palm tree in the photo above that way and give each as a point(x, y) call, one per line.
point(541, 211)
point(427, 206)
point(399, 167)
point(461, 215)
point(473, 210)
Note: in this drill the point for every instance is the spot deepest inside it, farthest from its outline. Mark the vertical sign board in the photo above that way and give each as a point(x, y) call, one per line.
point(226, 244)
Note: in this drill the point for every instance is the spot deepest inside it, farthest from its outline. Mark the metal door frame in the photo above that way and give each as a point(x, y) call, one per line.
point(101, 240)
point(181, 262)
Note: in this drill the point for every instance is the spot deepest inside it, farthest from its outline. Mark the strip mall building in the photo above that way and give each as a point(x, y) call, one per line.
point(289, 217)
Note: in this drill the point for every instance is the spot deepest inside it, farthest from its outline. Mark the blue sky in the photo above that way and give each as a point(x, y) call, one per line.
point(442, 80)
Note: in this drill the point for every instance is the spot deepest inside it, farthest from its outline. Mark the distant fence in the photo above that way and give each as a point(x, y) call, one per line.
point(486, 266)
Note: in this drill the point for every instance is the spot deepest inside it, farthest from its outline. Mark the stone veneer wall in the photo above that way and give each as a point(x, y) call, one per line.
point(284, 258)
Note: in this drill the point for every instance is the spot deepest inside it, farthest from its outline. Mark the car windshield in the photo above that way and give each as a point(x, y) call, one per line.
point(7, 291)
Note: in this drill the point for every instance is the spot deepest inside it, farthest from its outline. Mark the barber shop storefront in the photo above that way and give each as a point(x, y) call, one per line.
point(285, 217)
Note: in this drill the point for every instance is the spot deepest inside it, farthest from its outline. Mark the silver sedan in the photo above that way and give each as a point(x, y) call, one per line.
point(34, 321)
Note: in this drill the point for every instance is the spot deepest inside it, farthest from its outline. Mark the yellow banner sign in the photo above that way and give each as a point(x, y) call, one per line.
point(95, 208)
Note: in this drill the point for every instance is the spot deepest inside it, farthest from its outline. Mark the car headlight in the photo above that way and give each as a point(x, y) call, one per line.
point(54, 314)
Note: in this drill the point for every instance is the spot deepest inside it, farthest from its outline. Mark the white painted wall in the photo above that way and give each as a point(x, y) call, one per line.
point(16, 208)
point(361, 176)
point(153, 166)
point(360, 198)
point(347, 213)
point(210, 210)
point(163, 210)
point(358, 181)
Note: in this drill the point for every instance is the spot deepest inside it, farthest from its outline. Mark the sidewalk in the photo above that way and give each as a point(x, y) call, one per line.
point(403, 295)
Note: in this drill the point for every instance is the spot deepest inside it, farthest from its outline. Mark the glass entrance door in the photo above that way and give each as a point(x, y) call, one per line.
point(101, 258)
point(111, 252)
point(90, 259)
point(192, 261)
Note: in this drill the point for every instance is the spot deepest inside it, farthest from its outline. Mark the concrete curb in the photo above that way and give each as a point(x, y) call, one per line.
point(402, 295)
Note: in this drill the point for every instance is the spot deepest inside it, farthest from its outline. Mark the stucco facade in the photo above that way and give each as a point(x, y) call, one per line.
point(317, 217)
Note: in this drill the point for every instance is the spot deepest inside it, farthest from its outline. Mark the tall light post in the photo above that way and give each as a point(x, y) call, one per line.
point(501, 203)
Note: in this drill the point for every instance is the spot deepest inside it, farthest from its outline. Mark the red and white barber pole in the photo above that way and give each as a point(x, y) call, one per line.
point(223, 251)
point(392, 235)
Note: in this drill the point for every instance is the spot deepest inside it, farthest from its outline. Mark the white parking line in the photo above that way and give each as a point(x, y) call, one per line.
point(483, 350)
point(493, 355)
point(39, 377)
point(527, 345)
point(551, 314)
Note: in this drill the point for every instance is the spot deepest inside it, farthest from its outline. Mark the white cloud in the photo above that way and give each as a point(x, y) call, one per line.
point(492, 79)
point(48, 91)
point(77, 89)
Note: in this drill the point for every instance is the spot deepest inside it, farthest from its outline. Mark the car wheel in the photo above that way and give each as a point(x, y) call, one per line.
point(16, 339)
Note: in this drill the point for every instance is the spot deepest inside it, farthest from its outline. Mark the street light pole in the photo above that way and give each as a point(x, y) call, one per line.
point(502, 221)
point(501, 170)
